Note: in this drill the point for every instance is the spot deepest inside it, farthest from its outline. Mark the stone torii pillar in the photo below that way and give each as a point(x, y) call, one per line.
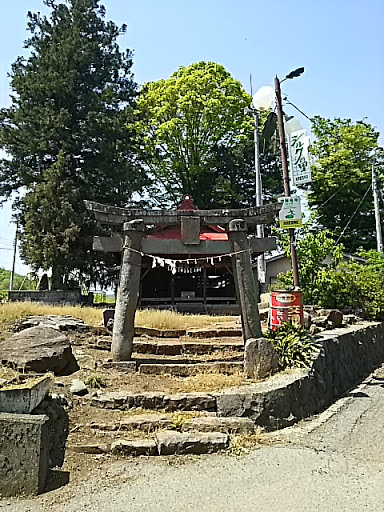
point(128, 291)
point(246, 287)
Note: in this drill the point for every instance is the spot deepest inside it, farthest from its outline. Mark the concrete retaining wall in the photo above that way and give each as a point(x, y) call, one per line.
point(47, 297)
point(346, 357)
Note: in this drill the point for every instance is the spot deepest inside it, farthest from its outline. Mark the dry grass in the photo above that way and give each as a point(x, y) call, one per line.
point(11, 312)
point(244, 443)
point(163, 319)
point(207, 382)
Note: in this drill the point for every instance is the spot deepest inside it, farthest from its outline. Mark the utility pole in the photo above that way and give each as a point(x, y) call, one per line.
point(379, 235)
point(14, 259)
point(261, 271)
point(287, 193)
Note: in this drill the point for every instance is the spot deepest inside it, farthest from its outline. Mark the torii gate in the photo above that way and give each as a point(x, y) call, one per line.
point(134, 223)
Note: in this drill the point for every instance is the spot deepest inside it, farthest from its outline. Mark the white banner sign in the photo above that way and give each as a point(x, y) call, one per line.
point(299, 158)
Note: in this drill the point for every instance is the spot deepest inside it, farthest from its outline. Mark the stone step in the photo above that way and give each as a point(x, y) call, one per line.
point(124, 400)
point(152, 422)
point(215, 332)
point(174, 349)
point(186, 370)
point(169, 442)
point(191, 359)
point(184, 443)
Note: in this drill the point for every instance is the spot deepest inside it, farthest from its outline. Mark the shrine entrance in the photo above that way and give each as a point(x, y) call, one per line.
point(177, 242)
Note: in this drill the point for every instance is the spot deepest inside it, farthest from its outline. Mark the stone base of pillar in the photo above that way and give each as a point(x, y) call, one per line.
point(24, 454)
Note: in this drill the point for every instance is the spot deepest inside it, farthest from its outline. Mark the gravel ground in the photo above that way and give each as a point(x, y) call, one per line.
point(333, 462)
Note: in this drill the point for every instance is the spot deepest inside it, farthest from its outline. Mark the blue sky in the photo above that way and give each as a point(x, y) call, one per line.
point(340, 43)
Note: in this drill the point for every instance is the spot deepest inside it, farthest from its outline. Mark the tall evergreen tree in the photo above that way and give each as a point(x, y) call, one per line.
point(67, 133)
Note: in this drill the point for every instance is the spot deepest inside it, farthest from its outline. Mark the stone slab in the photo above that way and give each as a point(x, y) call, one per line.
point(24, 454)
point(219, 424)
point(59, 322)
point(160, 333)
point(206, 348)
point(135, 448)
point(229, 333)
point(202, 333)
point(124, 400)
point(121, 366)
point(146, 422)
point(171, 442)
point(24, 398)
point(189, 402)
point(112, 400)
point(91, 449)
point(185, 370)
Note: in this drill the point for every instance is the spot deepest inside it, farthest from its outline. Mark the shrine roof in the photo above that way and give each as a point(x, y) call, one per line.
point(174, 233)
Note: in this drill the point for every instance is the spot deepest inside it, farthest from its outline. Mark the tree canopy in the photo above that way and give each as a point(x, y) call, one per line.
point(198, 138)
point(67, 133)
point(341, 180)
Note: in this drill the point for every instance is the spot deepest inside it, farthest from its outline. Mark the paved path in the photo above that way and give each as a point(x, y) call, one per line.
point(332, 463)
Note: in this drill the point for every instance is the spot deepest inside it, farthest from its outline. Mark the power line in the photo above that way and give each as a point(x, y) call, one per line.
point(333, 195)
point(297, 108)
point(354, 213)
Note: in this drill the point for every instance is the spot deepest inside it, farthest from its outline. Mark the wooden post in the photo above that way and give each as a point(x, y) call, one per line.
point(246, 287)
point(128, 291)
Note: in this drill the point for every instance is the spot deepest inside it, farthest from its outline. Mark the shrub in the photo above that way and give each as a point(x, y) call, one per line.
point(95, 381)
point(294, 345)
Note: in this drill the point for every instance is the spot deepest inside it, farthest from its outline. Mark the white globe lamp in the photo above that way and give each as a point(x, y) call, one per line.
point(263, 98)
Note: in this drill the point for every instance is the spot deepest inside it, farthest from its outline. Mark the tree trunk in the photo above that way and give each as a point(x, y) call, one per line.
point(57, 277)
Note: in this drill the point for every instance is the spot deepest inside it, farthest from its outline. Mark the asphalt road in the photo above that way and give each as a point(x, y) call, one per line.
point(333, 462)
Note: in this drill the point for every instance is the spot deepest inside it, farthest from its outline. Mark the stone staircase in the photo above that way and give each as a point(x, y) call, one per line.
point(161, 433)
point(184, 356)
point(157, 423)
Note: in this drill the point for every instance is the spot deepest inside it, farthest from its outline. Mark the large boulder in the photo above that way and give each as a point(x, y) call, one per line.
point(39, 349)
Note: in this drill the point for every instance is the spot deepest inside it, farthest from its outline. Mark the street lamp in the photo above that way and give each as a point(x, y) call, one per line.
point(284, 161)
point(261, 101)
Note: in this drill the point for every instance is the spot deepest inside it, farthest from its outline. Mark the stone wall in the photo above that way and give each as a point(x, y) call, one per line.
point(47, 296)
point(346, 357)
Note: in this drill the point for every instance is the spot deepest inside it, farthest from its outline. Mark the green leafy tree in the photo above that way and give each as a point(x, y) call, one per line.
point(361, 285)
point(19, 282)
point(234, 170)
point(317, 254)
point(341, 179)
point(190, 122)
point(67, 134)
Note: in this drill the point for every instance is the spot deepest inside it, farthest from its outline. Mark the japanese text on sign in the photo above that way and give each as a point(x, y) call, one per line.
point(290, 215)
point(299, 158)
